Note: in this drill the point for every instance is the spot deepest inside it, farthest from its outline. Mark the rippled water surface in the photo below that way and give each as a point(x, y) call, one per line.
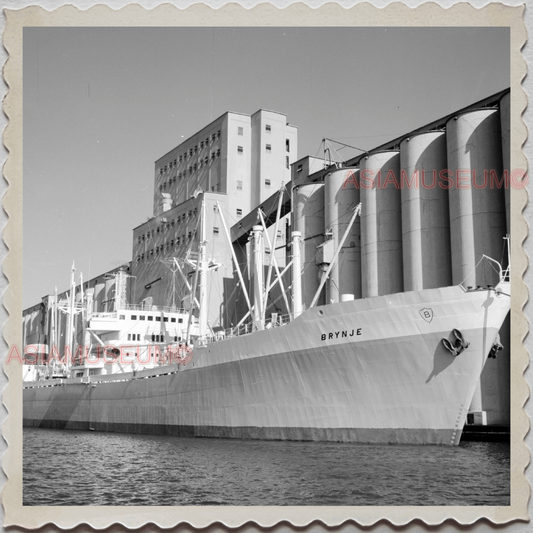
point(88, 468)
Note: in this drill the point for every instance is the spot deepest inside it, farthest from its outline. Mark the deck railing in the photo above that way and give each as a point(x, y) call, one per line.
point(247, 328)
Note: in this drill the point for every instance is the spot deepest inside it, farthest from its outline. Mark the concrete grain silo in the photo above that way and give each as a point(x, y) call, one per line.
point(477, 205)
point(341, 198)
point(309, 220)
point(381, 224)
point(505, 119)
point(109, 294)
point(99, 296)
point(425, 213)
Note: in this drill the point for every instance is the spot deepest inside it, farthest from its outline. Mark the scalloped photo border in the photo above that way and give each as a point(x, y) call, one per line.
point(396, 14)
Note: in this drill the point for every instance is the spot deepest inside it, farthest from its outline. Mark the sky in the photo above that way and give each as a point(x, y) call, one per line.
point(101, 105)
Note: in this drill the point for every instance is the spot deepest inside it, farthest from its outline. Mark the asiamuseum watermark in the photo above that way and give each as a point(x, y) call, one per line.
point(445, 179)
point(32, 354)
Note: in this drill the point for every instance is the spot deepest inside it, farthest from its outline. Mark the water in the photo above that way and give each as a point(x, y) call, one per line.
point(88, 468)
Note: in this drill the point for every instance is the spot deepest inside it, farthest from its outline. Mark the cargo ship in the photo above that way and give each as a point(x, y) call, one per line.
point(400, 368)
point(329, 310)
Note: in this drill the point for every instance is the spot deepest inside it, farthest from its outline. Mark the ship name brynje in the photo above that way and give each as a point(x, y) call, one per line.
point(345, 333)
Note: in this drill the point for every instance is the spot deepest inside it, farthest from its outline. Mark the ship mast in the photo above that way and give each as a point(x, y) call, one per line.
point(296, 275)
point(202, 266)
point(200, 280)
point(257, 252)
point(70, 327)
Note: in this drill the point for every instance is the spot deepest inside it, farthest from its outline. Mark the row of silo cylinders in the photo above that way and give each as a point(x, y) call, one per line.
point(412, 237)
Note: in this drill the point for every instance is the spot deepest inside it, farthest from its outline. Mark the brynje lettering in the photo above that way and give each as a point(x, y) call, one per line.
point(345, 333)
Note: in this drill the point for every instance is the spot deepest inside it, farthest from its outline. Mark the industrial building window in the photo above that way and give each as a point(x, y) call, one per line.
point(172, 222)
point(213, 156)
point(287, 164)
point(218, 152)
point(218, 133)
point(195, 148)
point(218, 187)
point(171, 242)
point(267, 182)
point(178, 241)
point(269, 148)
point(201, 145)
point(175, 162)
point(287, 145)
point(239, 212)
point(194, 167)
point(190, 235)
point(213, 137)
point(181, 158)
point(240, 149)
point(215, 230)
point(190, 152)
point(152, 252)
point(299, 168)
point(240, 130)
point(268, 127)
point(239, 185)
point(206, 160)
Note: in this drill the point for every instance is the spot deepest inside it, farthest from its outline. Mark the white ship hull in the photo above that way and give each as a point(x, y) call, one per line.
point(372, 370)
